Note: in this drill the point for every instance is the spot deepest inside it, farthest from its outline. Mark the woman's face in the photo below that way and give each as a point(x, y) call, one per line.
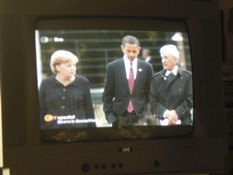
point(168, 61)
point(66, 69)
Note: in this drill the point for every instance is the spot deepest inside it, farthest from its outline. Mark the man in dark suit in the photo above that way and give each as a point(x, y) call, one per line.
point(126, 92)
point(171, 92)
point(154, 61)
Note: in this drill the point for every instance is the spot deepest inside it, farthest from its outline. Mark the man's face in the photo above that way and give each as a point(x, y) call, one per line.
point(168, 61)
point(131, 51)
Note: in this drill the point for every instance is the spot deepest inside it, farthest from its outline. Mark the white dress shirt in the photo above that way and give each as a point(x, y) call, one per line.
point(174, 71)
point(127, 66)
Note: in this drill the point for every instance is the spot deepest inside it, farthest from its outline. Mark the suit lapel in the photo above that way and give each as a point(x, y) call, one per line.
point(139, 70)
point(139, 75)
point(162, 83)
point(122, 72)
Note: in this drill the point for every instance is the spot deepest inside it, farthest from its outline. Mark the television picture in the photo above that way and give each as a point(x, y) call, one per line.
point(83, 83)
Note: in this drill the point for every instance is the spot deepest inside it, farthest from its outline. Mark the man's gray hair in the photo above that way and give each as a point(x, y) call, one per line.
point(170, 49)
point(129, 39)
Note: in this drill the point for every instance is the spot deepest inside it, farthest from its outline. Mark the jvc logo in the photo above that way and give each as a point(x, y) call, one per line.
point(126, 149)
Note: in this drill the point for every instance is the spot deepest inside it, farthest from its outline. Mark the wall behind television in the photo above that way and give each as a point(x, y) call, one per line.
point(225, 6)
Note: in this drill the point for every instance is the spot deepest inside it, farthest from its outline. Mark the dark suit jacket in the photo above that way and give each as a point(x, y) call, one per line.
point(116, 95)
point(174, 94)
point(156, 64)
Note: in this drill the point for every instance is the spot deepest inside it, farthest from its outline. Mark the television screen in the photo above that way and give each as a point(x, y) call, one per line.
point(78, 110)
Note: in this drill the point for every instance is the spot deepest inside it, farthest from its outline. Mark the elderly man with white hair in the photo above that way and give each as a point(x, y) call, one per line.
point(171, 92)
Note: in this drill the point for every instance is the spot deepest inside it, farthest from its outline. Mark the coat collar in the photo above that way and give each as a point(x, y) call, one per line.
point(163, 72)
point(55, 82)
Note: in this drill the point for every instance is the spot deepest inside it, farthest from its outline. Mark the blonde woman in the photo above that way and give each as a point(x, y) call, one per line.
point(65, 98)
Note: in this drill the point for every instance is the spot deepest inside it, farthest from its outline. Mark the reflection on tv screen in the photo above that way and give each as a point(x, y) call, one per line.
point(113, 84)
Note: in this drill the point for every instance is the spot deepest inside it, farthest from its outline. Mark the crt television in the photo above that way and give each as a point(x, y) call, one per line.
point(30, 35)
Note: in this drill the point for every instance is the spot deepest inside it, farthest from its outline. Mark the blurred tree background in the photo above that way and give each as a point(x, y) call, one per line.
point(95, 48)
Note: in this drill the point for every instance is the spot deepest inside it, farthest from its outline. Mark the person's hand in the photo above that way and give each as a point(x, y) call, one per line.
point(172, 117)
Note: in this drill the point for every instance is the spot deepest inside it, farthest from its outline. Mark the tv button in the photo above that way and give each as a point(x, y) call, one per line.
point(156, 163)
point(85, 167)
